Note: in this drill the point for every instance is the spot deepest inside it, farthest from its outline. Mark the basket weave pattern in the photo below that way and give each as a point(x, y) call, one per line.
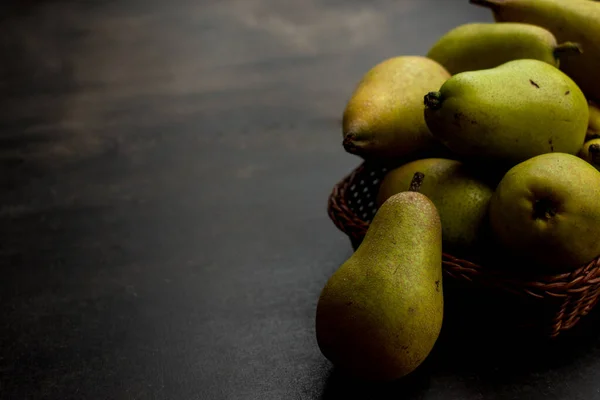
point(567, 296)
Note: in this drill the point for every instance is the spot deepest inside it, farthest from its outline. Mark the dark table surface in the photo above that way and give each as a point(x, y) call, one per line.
point(163, 227)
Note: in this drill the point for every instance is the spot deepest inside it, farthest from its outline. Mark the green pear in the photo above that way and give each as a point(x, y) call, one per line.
point(594, 121)
point(384, 117)
point(460, 195)
point(572, 20)
point(590, 152)
point(475, 46)
point(380, 314)
point(547, 210)
point(509, 113)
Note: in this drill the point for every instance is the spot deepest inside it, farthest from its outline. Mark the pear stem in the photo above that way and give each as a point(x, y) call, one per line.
point(348, 144)
point(543, 209)
point(417, 181)
point(594, 150)
point(433, 100)
point(567, 47)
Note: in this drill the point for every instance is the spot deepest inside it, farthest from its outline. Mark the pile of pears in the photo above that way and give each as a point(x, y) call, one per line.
point(494, 136)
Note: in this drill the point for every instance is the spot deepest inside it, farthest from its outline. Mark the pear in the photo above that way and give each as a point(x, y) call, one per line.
point(460, 195)
point(380, 314)
point(475, 46)
point(572, 20)
point(384, 117)
point(590, 152)
point(509, 113)
point(547, 210)
point(594, 121)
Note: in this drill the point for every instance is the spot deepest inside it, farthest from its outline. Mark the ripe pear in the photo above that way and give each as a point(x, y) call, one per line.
point(384, 117)
point(460, 195)
point(572, 20)
point(547, 209)
point(475, 46)
point(594, 122)
point(380, 314)
point(590, 152)
point(509, 113)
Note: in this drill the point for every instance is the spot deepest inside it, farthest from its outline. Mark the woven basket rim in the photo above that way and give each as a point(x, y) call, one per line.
point(544, 285)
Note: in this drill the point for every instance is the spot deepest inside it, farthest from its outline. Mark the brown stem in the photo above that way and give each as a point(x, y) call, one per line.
point(567, 47)
point(433, 100)
point(417, 181)
point(349, 145)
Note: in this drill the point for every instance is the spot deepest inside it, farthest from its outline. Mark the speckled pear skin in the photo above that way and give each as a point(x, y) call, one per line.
point(459, 194)
point(509, 113)
point(475, 46)
point(547, 209)
point(572, 20)
point(380, 314)
point(383, 118)
point(590, 152)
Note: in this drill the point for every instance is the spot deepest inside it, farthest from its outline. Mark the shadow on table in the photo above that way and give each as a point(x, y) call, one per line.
point(485, 356)
point(340, 386)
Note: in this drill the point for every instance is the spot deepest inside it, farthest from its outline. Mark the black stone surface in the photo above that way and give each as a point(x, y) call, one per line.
point(165, 168)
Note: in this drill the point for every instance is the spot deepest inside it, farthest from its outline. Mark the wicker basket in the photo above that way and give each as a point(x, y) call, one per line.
point(547, 305)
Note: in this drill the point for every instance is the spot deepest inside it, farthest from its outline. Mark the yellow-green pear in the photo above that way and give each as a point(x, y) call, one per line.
point(380, 314)
point(547, 210)
point(458, 191)
point(475, 46)
point(509, 113)
point(590, 152)
point(572, 20)
point(384, 117)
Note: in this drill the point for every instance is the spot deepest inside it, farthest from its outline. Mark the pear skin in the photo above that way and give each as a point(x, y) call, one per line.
point(509, 113)
point(590, 152)
point(459, 194)
point(383, 118)
point(573, 20)
point(547, 210)
point(476, 46)
point(380, 314)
